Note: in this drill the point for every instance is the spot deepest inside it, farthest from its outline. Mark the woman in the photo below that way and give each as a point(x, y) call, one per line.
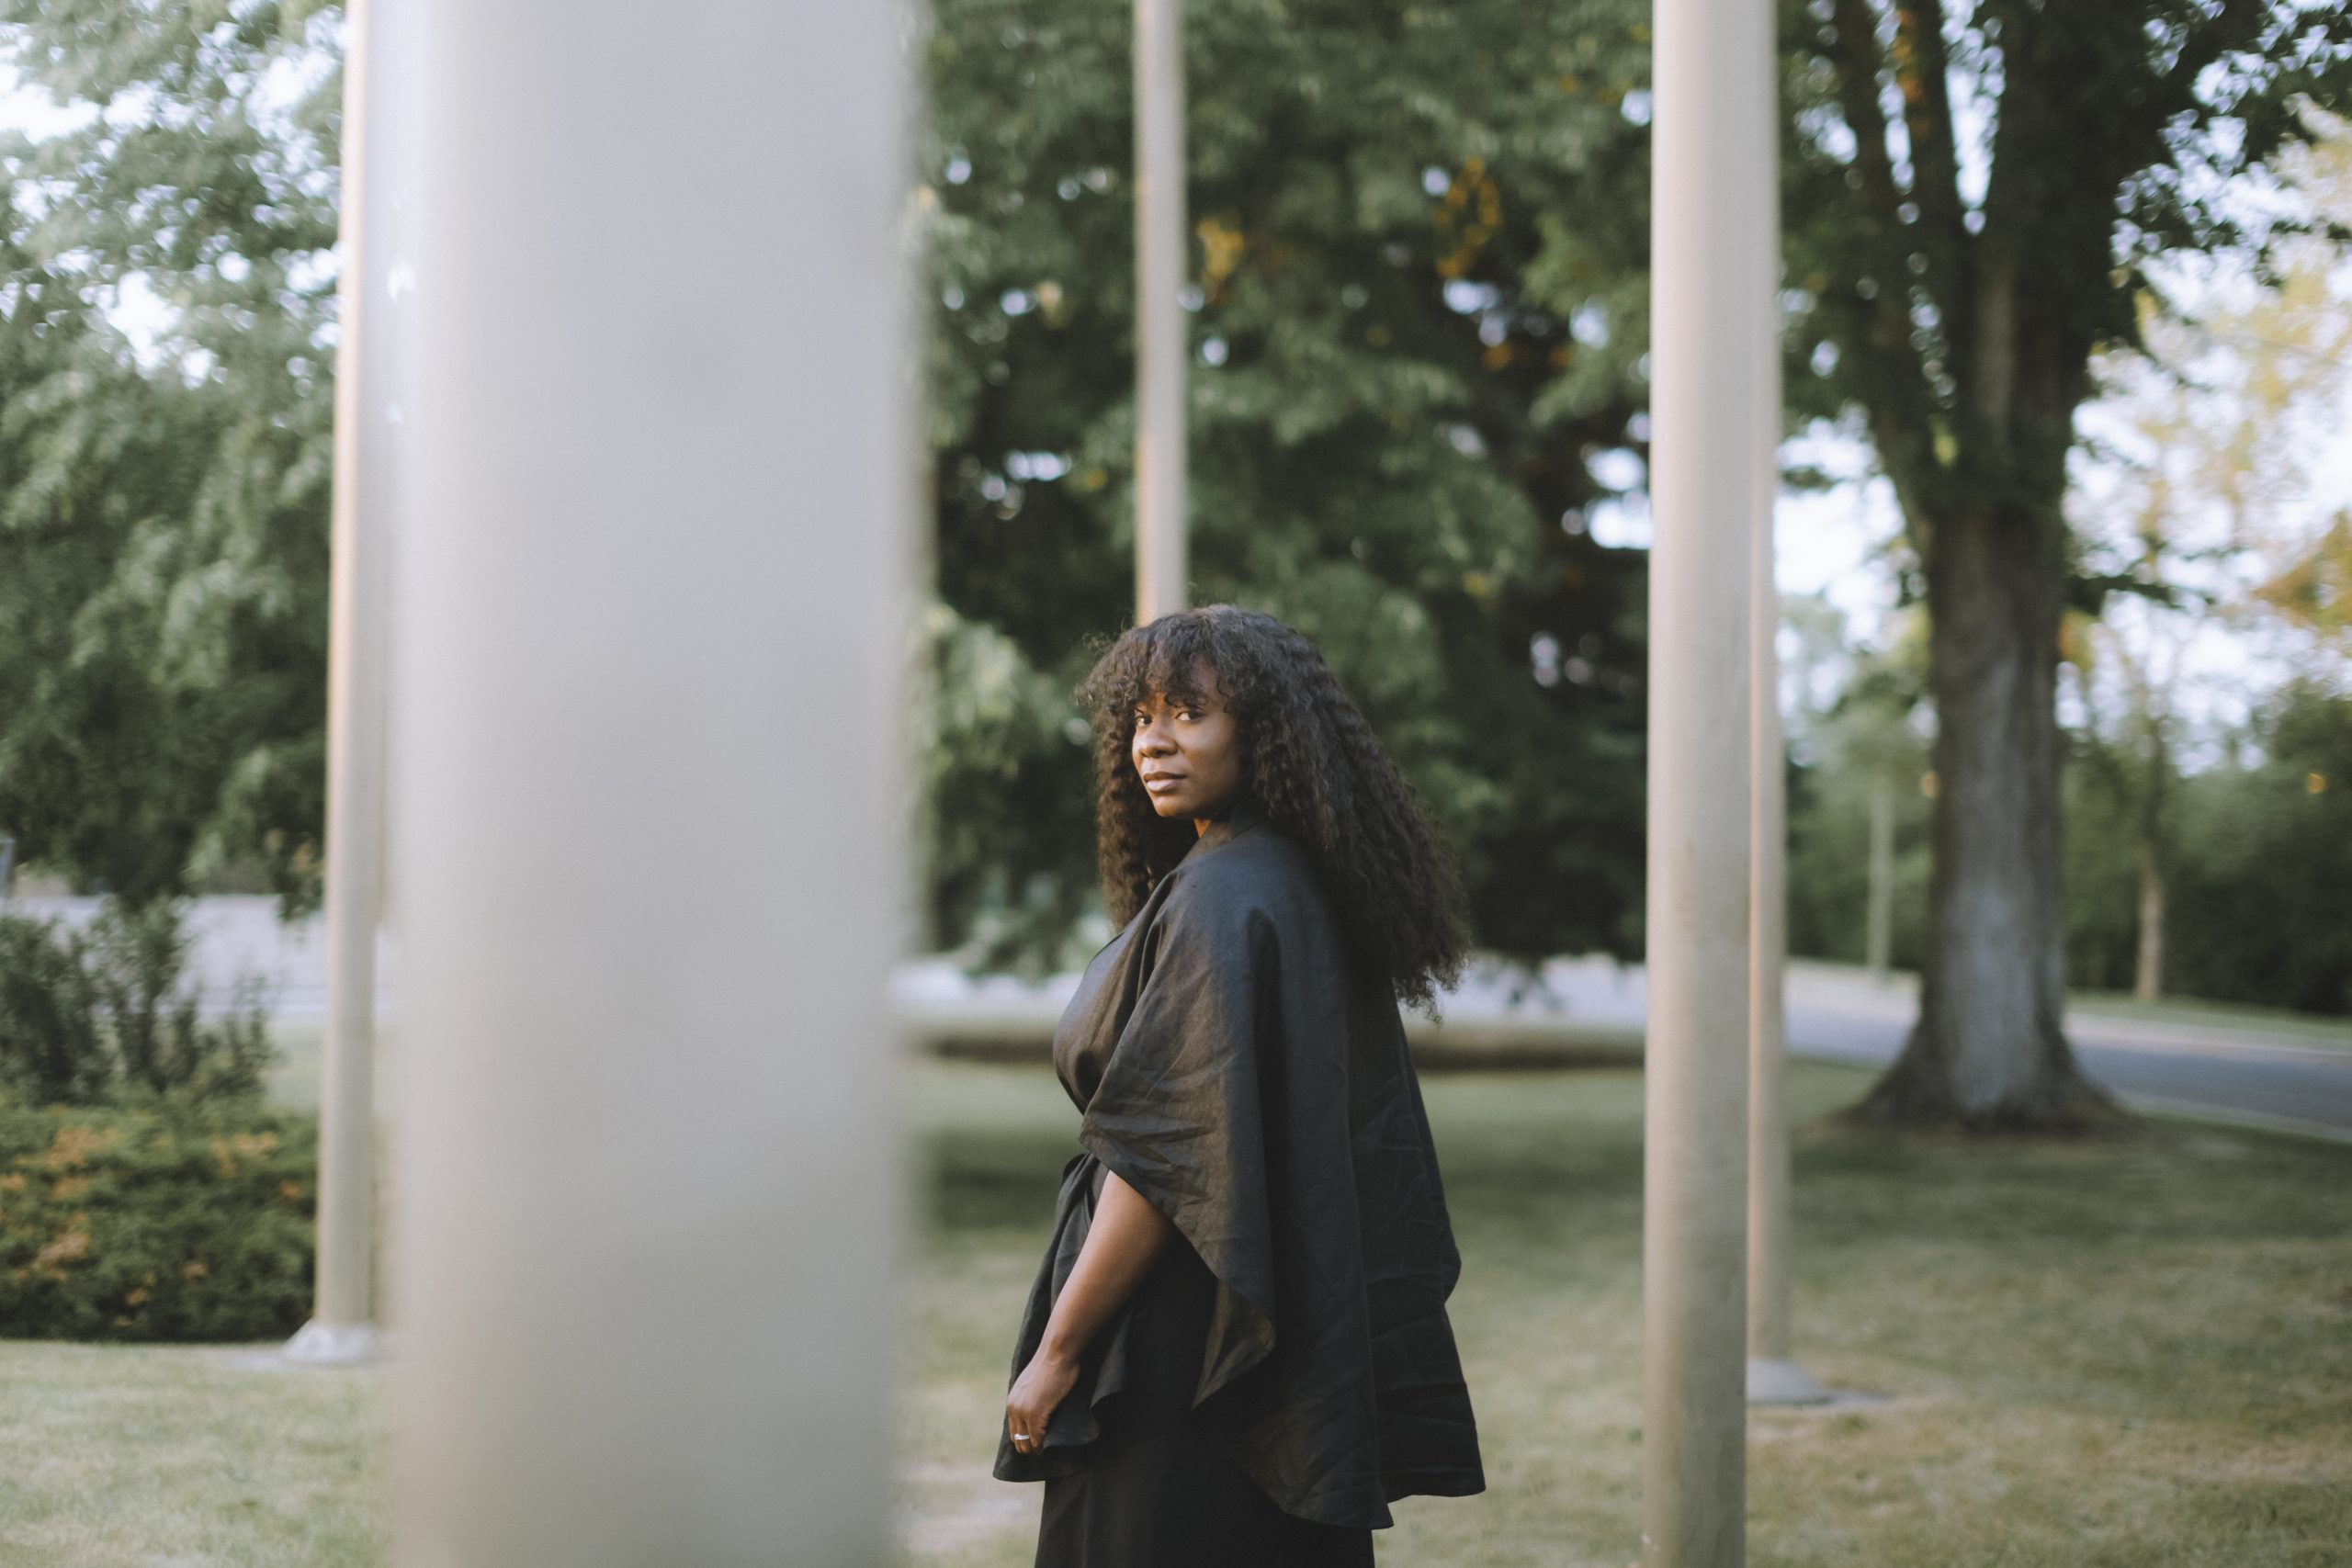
point(1237, 1350)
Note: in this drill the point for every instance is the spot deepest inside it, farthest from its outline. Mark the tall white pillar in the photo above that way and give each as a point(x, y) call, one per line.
point(1160, 250)
point(1878, 935)
point(1774, 1376)
point(648, 782)
point(342, 1327)
point(1710, 151)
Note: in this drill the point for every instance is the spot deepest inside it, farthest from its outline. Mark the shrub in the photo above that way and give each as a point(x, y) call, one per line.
point(50, 1047)
point(85, 1018)
point(171, 1220)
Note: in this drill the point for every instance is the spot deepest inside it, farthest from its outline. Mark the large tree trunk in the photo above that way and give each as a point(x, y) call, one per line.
point(1989, 1048)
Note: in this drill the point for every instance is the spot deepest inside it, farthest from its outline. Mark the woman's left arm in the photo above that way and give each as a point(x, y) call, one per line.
point(1124, 1237)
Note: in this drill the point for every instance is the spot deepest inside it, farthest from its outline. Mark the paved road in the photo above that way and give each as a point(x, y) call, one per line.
point(1841, 1015)
point(1834, 1014)
point(2207, 1067)
point(2298, 1089)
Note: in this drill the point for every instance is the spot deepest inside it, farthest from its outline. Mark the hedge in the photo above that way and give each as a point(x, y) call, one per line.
point(164, 1221)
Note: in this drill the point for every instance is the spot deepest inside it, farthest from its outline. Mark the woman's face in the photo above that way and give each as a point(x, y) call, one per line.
point(1188, 753)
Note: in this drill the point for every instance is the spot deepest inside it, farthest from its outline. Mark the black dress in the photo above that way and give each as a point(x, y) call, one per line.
point(1287, 1368)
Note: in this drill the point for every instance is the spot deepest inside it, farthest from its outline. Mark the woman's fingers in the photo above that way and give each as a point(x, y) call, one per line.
point(1027, 1433)
point(1021, 1422)
point(1026, 1423)
point(1036, 1392)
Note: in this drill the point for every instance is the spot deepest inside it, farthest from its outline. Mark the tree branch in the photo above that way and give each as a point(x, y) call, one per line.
point(1902, 422)
point(1855, 56)
point(1922, 70)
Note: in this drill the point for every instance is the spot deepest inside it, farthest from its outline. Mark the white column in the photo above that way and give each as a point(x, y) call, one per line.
point(650, 779)
point(1774, 1376)
point(1879, 930)
point(1711, 156)
point(341, 1326)
point(1160, 250)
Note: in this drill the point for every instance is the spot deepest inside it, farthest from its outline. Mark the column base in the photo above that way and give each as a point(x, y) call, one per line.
point(337, 1345)
point(1779, 1380)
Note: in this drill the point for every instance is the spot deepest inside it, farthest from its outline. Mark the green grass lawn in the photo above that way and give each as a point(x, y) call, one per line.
point(2114, 1353)
point(168, 1457)
point(2130, 1351)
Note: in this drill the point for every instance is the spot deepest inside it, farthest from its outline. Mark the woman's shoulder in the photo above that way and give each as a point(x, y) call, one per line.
point(1260, 876)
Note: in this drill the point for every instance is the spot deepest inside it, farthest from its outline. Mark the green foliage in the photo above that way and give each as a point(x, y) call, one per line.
point(161, 1222)
point(50, 1050)
point(1864, 743)
point(1007, 758)
point(1829, 830)
point(1419, 249)
point(2261, 885)
point(146, 1192)
point(2103, 834)
point(1955, 294)
point(1418, 245)
point(2258, 850)
point(164, 504)
point(98, 1015)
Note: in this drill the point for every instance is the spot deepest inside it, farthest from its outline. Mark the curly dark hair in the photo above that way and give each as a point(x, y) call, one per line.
point(1311, 762)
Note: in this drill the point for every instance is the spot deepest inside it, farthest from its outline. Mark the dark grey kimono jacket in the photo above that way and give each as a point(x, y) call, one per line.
point(1231, 1066)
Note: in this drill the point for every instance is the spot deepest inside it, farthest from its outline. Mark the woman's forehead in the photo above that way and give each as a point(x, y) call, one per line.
point(1203, 690)
point(1172, 676)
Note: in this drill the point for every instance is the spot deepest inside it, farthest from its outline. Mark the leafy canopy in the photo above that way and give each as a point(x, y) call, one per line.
point(164, 496)
point(1418, 238)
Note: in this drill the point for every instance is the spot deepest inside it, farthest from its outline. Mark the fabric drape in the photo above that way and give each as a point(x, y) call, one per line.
point(1232, 1064)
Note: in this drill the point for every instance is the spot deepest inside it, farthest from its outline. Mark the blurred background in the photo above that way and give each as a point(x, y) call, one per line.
point(1418, 328)
point(1417, 397)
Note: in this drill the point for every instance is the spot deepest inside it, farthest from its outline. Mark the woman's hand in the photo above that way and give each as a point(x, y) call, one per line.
point(1043, 1385)
point(1125, 1235)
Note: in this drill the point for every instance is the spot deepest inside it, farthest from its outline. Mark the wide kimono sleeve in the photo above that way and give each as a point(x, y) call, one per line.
point(1180, 1112)
point(1224, 1100)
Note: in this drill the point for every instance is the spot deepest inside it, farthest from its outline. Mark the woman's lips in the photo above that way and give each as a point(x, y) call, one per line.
point(1162, 781)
